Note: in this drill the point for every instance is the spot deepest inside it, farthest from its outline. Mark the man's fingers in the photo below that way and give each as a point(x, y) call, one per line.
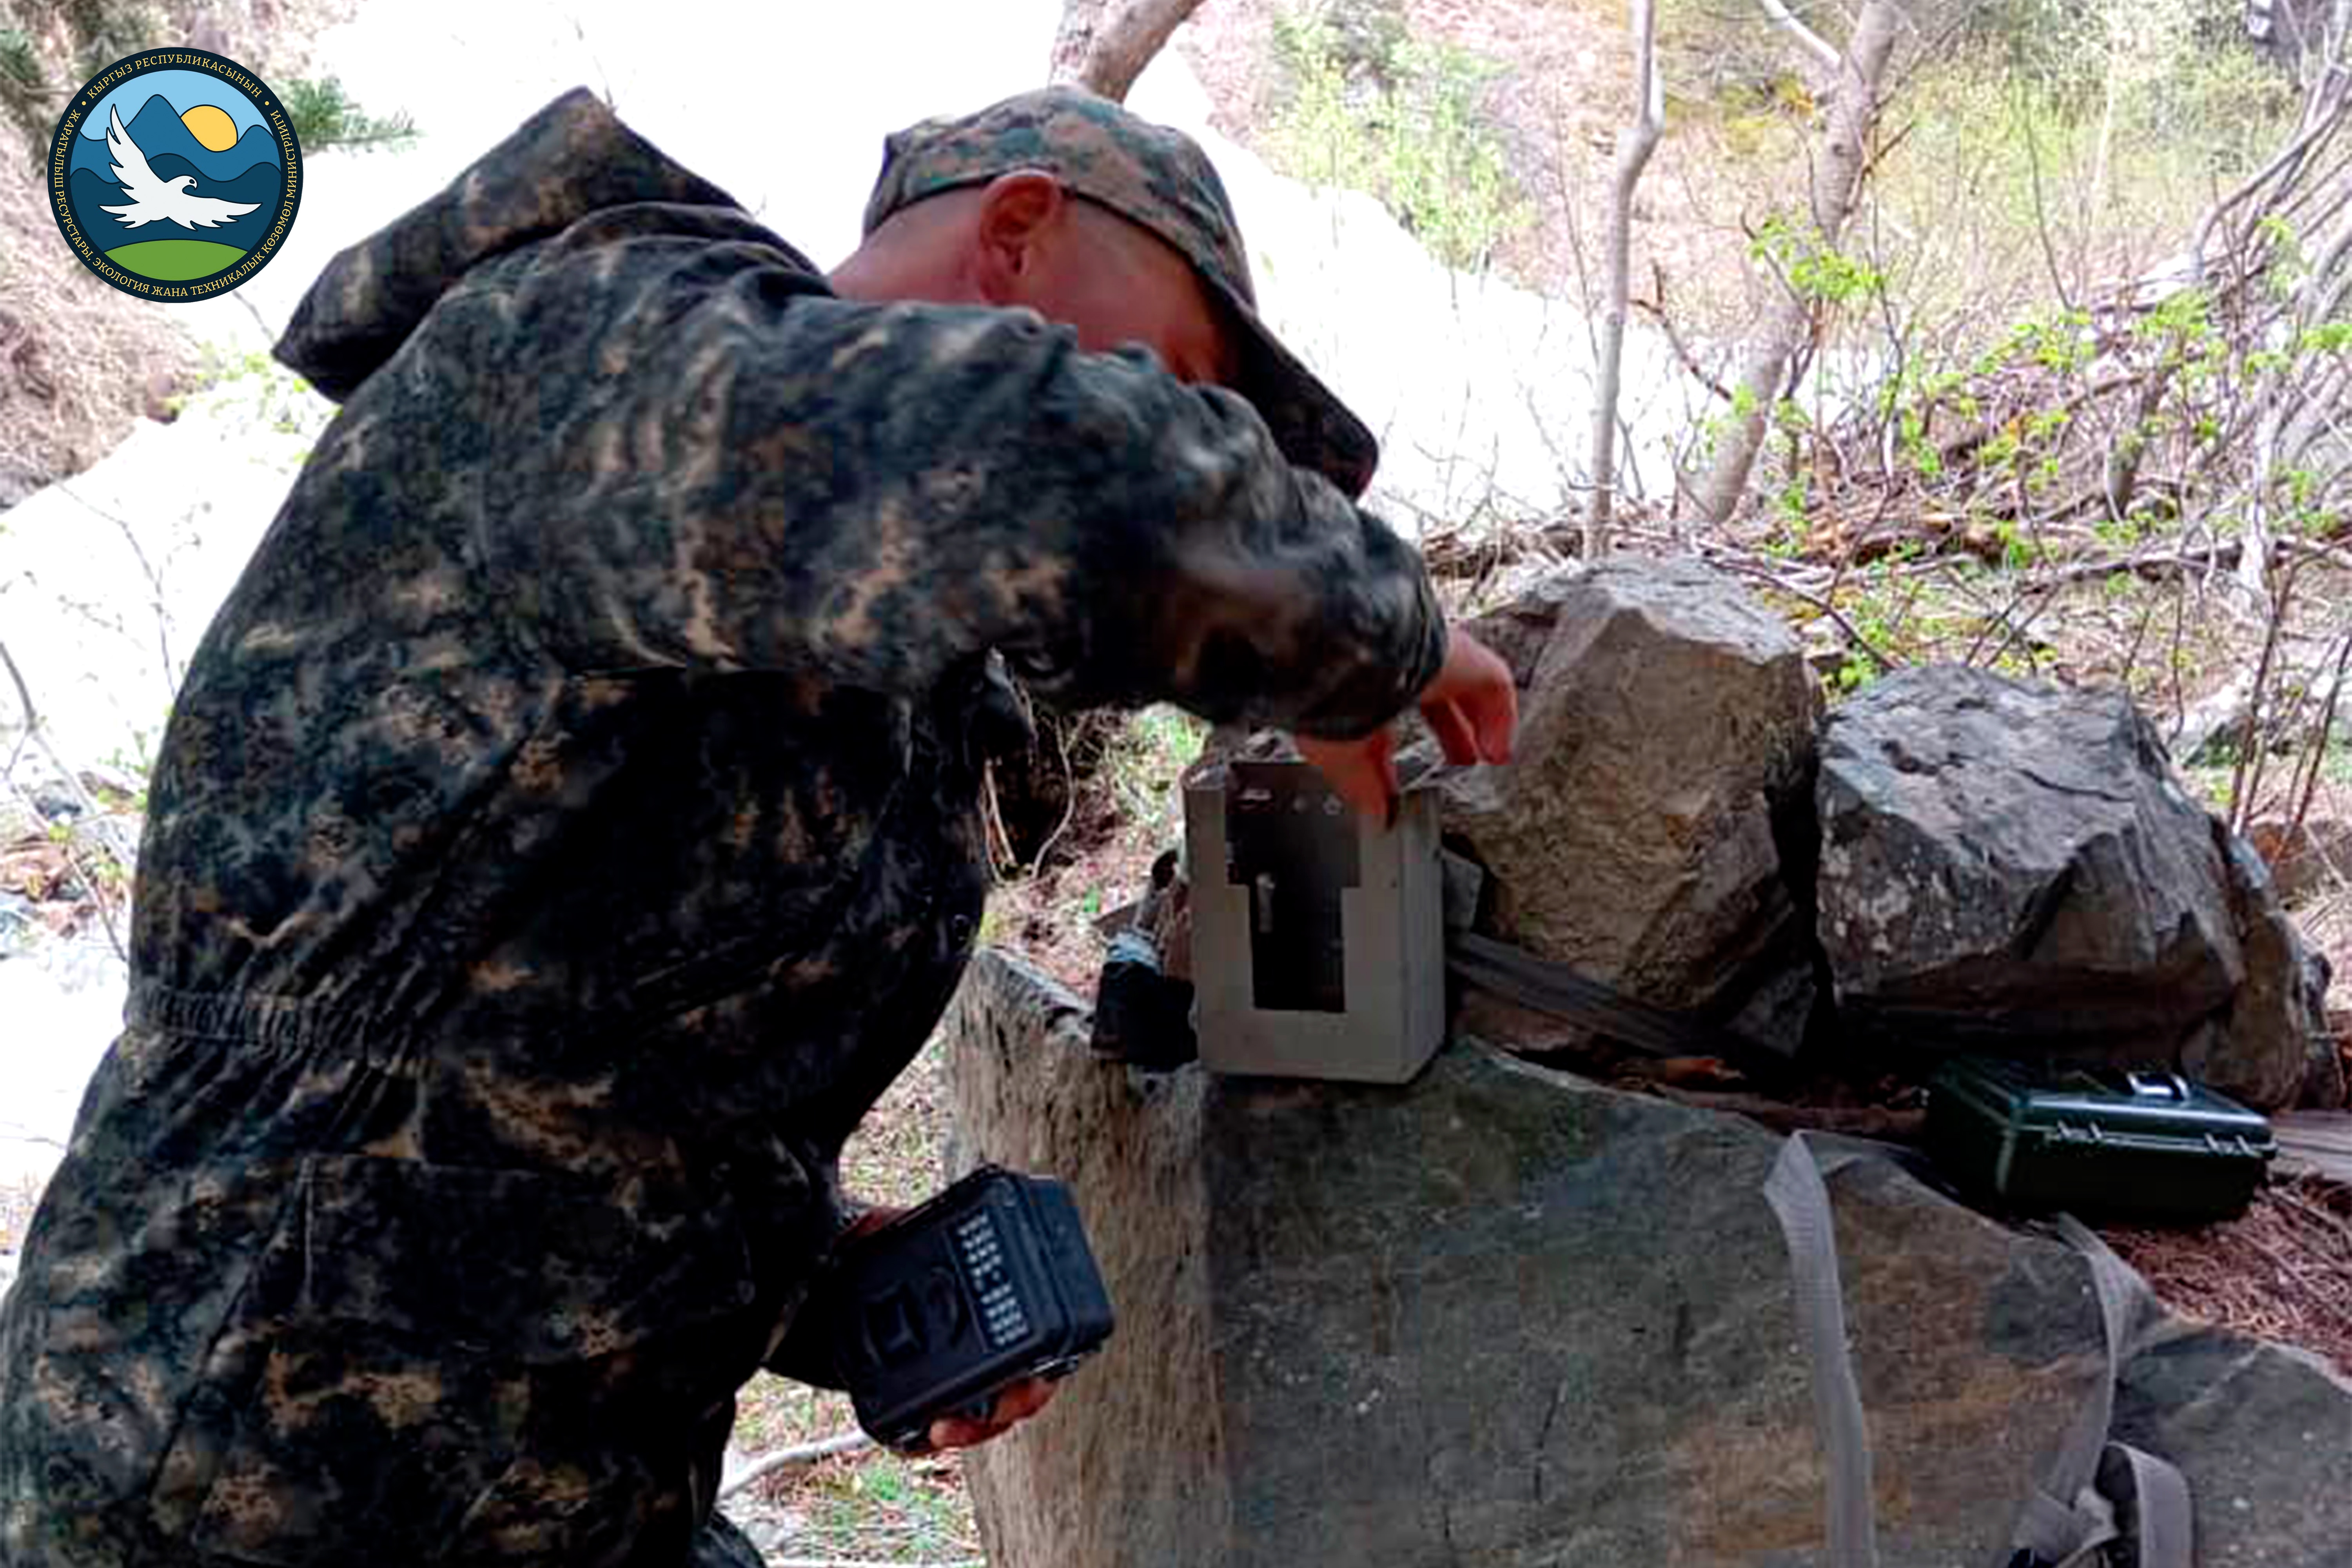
point(1498, 725)
point(1361, 772)
point(1452, 727)
point(954, 1432)
point(1023, 1400)
point(1015, 1404)
point(1475, 685)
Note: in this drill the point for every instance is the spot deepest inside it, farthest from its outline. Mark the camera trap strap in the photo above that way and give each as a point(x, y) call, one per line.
point(1519, 976)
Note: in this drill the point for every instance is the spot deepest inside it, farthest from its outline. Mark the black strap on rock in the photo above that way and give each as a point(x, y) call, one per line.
point(1519, 976)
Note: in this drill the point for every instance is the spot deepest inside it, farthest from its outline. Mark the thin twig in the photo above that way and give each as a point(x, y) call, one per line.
point(2252, 754)
point(991, 821)
point(1070, 798)
point(2314, 1213)
point(767, 1464)
point(1657, 311)
point(2018, 626)
point(1885, 660)
point(155, 601)
point(2041, 211)
point(2318, 742)
point(25, 701)
point(2324, 1301)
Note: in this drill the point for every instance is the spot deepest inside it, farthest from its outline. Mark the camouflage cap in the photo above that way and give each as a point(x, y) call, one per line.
point(1157, 177)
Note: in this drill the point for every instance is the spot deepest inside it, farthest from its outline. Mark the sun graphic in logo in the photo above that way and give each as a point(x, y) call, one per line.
point(211, 126)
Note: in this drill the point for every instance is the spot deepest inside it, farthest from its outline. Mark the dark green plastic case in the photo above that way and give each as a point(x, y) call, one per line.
point(2095, 1140)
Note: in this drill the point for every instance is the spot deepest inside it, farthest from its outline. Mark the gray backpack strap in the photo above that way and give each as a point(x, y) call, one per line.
point(1801, 1203)
point(2067, 1518)
point(2070, 1518)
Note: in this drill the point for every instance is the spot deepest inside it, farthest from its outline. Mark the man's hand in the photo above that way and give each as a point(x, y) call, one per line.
point(1015, 1404)
point(1472, 707)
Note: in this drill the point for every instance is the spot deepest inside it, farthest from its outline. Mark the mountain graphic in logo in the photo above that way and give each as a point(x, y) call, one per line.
point(154, 199)
point(175, 174)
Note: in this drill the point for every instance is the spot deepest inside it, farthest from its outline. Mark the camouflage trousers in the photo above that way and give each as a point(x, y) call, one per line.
point(229, 1346)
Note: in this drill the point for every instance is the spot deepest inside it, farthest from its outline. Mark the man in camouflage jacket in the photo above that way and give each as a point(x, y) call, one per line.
point(568, 828)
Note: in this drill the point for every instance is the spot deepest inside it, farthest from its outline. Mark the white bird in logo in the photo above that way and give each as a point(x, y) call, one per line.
point(155, 200)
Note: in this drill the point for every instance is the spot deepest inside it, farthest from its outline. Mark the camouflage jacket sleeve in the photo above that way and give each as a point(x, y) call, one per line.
point(706, 458)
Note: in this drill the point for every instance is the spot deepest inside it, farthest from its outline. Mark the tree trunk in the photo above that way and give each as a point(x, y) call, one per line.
point(1633, 150)
point(1837, 180)
point(1104, 44)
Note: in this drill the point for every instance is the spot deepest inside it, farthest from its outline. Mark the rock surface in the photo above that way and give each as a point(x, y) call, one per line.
point(1652, 829)
point(2258, 1429)
point(1127, 1466)
point(2014, 867)
point(1506, 1317)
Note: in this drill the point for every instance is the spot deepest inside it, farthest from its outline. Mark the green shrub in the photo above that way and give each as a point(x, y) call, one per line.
point(325, 116)
point(1369, 108)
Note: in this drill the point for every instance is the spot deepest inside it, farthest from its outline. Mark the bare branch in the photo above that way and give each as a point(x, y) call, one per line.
point(1657, 311)
point(2041, 207)
point(767, 1464)
point(1790, 322)
point(1104, 46)
point(1634, 148)
point(1816, 47)
point(1886, 660)
point(1070, 792)
point(2241, 787)
point(155, 601)
point(2318, 128)
point(2318, 743)
point(1074, 38)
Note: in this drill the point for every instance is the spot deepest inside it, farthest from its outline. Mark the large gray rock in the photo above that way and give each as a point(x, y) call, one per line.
point(2014, 867)
point(2257, 1428)
point(1666, 717)
point(1505, 1318)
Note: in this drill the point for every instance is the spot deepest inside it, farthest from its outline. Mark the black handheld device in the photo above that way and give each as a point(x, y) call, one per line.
point(936, 1312)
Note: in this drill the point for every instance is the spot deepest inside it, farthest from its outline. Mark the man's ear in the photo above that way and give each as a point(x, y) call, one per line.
point(1016, 211)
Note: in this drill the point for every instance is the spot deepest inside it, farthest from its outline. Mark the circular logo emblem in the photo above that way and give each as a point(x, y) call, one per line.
point(176, 173)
